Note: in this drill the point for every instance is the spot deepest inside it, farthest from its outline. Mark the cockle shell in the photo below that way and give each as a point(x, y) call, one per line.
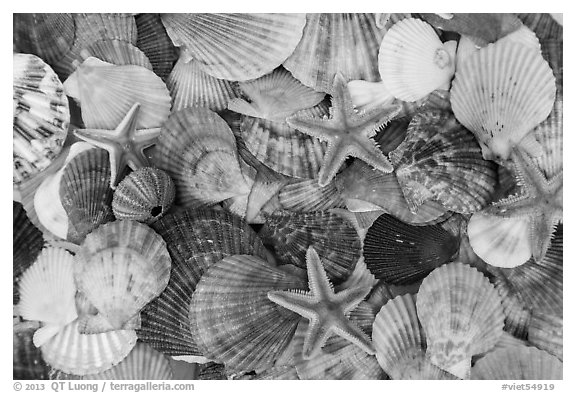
point(402, 254)
point(441, 160)
point(27, 362)
point(40, 117)
point(232, 318)
point(500, 93)
point(145, 195)
point(461, 315)
point(155, 43)
point(196, 239)
point(121, 267)
point(198, 150)
point(545, 331)
point(236, 46)
point(413, 61)
point(345, 43)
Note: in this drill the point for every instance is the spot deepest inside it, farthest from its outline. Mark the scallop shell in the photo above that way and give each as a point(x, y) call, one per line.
point(83, 354)
point(196, 239)
point(236, 46)
point(402, 254)
point(506, 341)
point(232, 318)
point(116, 52)
point(543, 25)
point(121, 267)
point(334, 238)
point(190, 86)
point(274, 373)
point(47, 293)
point(198, 150)
point(27, 242)
point(550, 136)
point(461, 315)
point(107, 92)
point(518, 363)
point(441, 160)
point(145, 196)
point(345, 43)
point(305, 196)
point(413, 61)
point(517, 315)
point(48, 36)
point(41, 116)
point(499, 241)
point(212, 371)
point(367, 96)
point(155, 43)
point(545, 332)
point(501, 93)
point(27, 362)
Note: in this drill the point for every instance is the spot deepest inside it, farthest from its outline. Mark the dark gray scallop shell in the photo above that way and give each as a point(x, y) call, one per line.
point(27, 359)
point(543, 25)
point(153, 40)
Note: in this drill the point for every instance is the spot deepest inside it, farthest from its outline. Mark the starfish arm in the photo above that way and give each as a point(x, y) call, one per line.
point(542, 229)
point(366, 150)
point(298, 302)
point(145, 136)
point(322, 129)
point(320, 285)
point(514, 206)
point(349, 331)
point(351, 297)
point(335, 155)
point(96, 137)
point(528, 174)
point(372, 120)
point(316, 336)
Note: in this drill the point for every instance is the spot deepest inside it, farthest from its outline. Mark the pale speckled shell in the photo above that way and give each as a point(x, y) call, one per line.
point(155, 43)
point(545, 331)
point(236, 46)
point(145, 195)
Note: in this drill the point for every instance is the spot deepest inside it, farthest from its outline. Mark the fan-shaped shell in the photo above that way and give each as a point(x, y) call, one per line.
point(145, 195)
point(545, 331)
point(236, 46)
point(233, 320)
point(116, 52)
point(346, 43)
point(518, 363)
point(198, 150)
point(27, 362)
point(461, 315)
point(121, 267)
point(402, 254)
point(500, 93)
point(441, 160)
point(334, 238)
point(40, 117)
point(543, 24)
point(155, 43)
point(413, 61)
point(196, 239)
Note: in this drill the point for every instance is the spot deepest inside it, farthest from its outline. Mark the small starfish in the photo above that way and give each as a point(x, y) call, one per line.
point(125, 144)
point(540, 202)
point(327, 311)
point(347, 132)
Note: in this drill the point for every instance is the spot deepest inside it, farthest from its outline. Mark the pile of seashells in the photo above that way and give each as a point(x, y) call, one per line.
point(288, 196)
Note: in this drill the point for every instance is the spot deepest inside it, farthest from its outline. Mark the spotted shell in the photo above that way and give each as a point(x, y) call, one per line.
point(145, 195)
point(27, 362)
point(155, 43)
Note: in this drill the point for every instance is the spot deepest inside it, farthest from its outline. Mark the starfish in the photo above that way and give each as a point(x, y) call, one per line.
point(327, 311)
point(540, 202)
point(125, 144)
point(347, 132)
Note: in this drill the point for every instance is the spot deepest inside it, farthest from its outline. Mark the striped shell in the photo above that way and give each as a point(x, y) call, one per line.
point(155, 43)
point(116, 52)
point(543, 24)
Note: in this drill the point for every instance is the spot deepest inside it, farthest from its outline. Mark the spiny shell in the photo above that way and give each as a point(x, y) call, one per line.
point(461, 315)
point(231, 317)
point(236, 46)
point(40, 116)
point(518, 363)
point(155, 43)
point(145, 195)
point(345, 43)
point(198, 150)
point(334, 238)
point(196, 239)
point(413, 61)
point(402, 254)
point(500, 93)
point(121, 267)
point(27, 362)
point(545, 331)
point(441, 160)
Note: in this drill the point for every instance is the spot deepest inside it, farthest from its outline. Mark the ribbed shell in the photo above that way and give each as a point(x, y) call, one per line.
point(461, 315)
point(27, 362)
point(83, 354)
point(518, 363)
point(196, 239)
point(232, 318)
point(332, 43)
point(543, 25)
point(190, 86)
point(500, 93)
point(236, 46)
point(550, 136)
point(27, 242)
point(441, 160)
point(116, 52)
point(122, 266)
point(145, 196)
point(332, 236)
point(274, 373)
point(545, 331)
point(155, 43)
point(402, 254)
point(413, 62)
point(198, 150)
point(40, 116)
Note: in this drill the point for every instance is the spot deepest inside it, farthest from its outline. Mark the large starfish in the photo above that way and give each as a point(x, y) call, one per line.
point(540, 202)
point(125, 144)
point(347, 132)
point(326, 310)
